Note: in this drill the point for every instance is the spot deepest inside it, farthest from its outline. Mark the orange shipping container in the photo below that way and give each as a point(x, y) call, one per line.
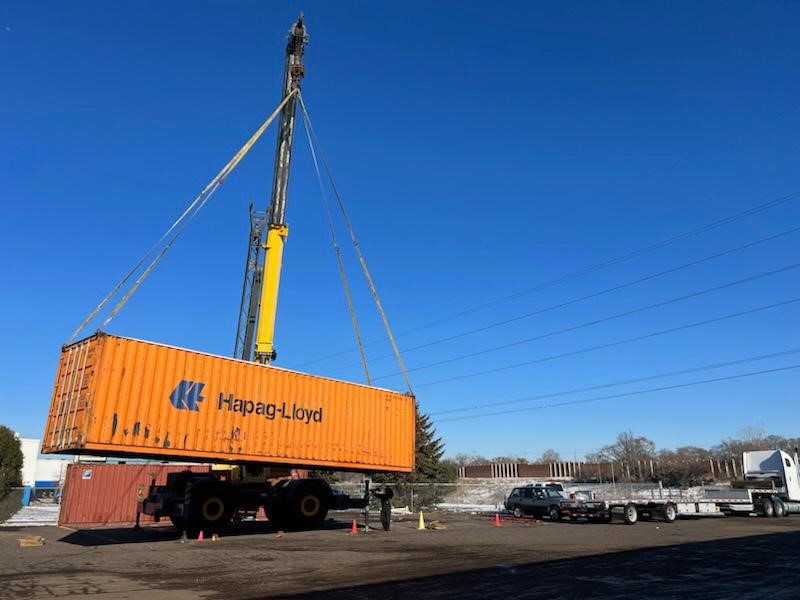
point(122, 397)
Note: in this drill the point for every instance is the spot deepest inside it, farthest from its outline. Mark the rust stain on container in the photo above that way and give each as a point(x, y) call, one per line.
point(200, 407)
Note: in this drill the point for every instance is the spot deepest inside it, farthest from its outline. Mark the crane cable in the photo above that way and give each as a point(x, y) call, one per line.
point(180, 224)
point(368, 277)
point(351, 307)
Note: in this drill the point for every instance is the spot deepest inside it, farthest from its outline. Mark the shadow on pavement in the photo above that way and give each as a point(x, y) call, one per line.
point(744, 568)
point(105, 536)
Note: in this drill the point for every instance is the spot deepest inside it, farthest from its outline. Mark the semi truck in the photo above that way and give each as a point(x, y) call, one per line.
point(770, 487)
point(123, 397)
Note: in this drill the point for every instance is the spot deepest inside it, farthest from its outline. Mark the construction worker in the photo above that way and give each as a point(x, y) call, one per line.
point(386, 506)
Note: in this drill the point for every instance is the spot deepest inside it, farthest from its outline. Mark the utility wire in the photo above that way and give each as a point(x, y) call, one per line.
point(625, 394)
point(614, 317)
point(588, 296)
point(588, 270)
point(613, 344)
point(590, 388)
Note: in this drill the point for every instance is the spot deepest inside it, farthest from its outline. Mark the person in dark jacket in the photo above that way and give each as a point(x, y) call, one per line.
point(386, 506)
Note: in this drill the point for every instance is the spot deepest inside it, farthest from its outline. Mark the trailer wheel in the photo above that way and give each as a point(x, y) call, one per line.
point(554, 513)
point(631, 514)
point(670, 512)
point(518, 512)
point(767, 507)
point(779, 508)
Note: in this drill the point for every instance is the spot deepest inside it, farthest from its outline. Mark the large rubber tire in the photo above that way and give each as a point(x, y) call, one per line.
point(767, 507)
point(779, 508)
point(305, 505)
point(670, 512)
point(518, 512)
point(554, 513)
point(631, 514)
point(211, 509)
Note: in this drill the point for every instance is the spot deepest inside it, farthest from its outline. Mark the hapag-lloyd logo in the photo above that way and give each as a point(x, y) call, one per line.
point(186, 396)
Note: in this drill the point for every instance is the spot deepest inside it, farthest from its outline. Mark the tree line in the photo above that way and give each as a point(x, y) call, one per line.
point(686, 465)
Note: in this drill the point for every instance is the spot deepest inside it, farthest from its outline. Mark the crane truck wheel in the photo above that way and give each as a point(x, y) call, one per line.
point(306, 504)
point(631, 514)
point(779, 508)
point(767, 507)
point(211, 509)
point(670, 512)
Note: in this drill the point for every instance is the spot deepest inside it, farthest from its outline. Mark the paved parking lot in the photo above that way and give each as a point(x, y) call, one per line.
point(744, 558)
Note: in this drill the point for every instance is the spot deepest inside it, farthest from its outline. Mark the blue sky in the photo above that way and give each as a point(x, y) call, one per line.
point(480, 151)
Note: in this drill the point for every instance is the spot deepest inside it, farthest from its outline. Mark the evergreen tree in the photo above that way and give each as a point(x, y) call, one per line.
point(10, 460)
point(428, 453)
point(428, 464)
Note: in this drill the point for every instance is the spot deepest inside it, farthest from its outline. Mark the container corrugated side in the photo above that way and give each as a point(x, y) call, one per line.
point(117, 396)
point(104, 494)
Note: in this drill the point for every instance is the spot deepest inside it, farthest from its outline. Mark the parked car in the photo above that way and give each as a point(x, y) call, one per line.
point(536, 501)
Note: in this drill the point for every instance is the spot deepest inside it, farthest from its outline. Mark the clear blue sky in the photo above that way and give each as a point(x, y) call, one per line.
point(481, 149)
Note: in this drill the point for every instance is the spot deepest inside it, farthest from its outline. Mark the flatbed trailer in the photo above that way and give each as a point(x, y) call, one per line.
point(770, 488)
point(632, 510)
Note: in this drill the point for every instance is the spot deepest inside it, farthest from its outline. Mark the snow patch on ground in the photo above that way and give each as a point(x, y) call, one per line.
point(34, 515)
point(476, 508)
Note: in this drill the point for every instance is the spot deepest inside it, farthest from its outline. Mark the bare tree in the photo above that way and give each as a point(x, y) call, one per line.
point(550, 456)
point(628, 448)
point(685, 466)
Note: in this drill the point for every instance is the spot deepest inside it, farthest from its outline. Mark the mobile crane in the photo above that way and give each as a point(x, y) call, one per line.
point(207, 501)
point(127, 397)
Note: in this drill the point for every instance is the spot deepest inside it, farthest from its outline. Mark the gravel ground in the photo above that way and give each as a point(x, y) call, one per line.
point(745, 557)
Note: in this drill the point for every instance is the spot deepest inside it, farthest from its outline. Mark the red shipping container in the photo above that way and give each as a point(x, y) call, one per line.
point(102, 494)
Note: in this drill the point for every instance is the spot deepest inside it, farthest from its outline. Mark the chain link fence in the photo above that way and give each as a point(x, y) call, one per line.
point(490, 494)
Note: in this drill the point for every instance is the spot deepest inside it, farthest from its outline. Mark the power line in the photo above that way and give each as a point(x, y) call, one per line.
point(585, 271)
point(720, 365)
point(588, 296)
point(626, 394)
point(612, 344)
point(599, 321)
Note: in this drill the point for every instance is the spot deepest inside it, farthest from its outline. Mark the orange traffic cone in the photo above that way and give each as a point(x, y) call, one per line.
point(200, 536)
point(497, 519)
point(354, 529)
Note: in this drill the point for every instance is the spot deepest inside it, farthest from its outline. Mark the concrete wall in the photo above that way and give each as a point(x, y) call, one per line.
point(30, 458)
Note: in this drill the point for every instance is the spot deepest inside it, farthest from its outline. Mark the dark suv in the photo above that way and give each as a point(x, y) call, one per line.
point(536, 501)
